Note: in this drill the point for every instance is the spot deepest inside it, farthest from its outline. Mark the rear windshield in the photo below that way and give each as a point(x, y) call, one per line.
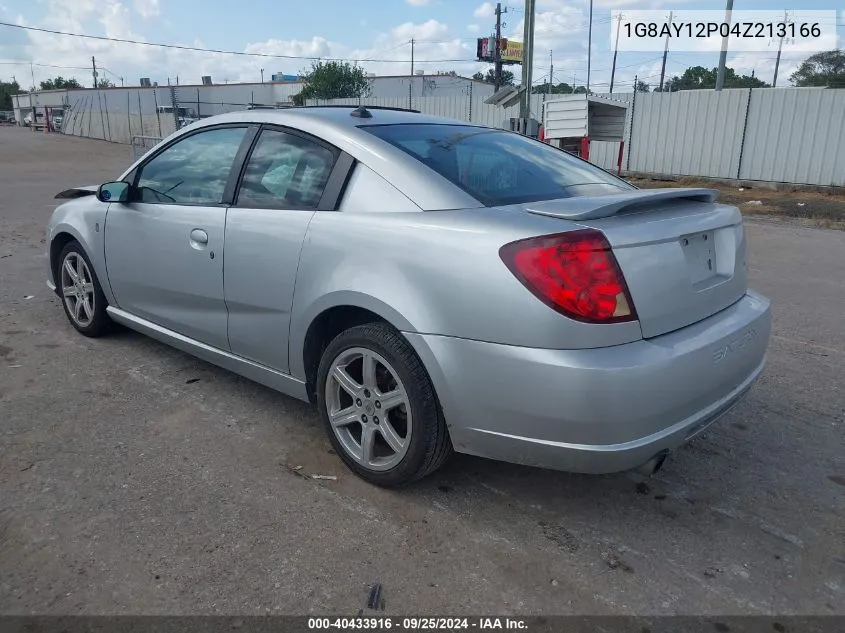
point(498, 167)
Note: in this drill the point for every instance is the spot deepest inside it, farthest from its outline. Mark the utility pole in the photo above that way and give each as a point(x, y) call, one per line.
point(497, 55)
point(780, 47)
point(262, 75)
point(589, 46)
point(665, 53)
point(94, 70)
point(551, 71)
point(32, 100)
point(121, 82)
point(723, 55)
point(615, 51)
point(411, 80)
point(527, 60)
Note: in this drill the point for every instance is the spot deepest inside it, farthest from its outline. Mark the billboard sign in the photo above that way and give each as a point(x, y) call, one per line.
point(511, 52)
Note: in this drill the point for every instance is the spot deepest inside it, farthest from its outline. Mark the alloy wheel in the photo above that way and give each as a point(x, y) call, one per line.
point(368, 408)
point(77, 285)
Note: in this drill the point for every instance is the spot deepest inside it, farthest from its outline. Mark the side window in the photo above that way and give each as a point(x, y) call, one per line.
point(285, 171)
point(193, 170)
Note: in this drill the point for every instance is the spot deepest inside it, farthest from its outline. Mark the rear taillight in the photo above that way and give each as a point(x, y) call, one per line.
point(575, 273)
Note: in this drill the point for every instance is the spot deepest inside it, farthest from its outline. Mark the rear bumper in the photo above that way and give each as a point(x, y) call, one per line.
point(596, 410)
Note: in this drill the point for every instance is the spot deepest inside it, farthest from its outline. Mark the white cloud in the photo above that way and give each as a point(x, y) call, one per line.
point(473, 28)
point(418, 3)
point(147, 8)
point(486, 10)
point(426, 31)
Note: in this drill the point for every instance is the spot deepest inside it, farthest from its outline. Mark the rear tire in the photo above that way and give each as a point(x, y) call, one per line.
point(379, 407)
point(80, 292)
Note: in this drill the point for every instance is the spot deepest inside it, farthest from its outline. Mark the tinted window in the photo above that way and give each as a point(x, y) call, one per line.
point(285, 171)
point(498, 167)
point(193, 170)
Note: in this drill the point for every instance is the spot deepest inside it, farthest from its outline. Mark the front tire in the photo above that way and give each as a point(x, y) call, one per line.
point(80, 291)
point(379, 407)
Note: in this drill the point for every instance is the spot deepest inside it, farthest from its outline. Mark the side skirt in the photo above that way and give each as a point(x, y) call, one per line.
point(277, 380)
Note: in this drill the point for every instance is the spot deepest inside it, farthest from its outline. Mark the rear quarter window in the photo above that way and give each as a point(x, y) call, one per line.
point(498, 167)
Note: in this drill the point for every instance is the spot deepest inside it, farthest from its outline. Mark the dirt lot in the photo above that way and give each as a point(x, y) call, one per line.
point(137, 480)
point(817, 208)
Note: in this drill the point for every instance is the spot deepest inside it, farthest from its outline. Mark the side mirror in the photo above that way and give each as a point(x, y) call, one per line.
point(113, 192)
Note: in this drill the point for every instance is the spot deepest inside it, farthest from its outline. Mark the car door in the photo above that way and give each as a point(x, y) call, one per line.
point(164, 249)
point(287, 177)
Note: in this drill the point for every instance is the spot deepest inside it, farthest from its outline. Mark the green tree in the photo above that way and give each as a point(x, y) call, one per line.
point(105, 83)
point(642, 86)
point(558, 89)
point(822, 69)
point(699, 78)
point(7, 89)
point(333, 80)
point(60, 83)
point(507, 77)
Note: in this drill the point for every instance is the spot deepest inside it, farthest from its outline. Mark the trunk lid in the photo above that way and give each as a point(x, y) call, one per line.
point(683, 256)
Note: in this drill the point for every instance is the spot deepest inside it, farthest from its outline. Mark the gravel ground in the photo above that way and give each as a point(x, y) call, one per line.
point(809, 208)
point(137, 480)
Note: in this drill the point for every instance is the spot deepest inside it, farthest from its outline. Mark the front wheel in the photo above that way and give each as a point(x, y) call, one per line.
point(379, 406)
point(80, 291)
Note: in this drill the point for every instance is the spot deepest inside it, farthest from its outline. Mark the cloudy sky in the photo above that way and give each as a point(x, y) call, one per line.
point(444, 30)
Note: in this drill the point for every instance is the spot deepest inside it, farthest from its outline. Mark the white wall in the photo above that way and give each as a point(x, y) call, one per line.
point(792, 135)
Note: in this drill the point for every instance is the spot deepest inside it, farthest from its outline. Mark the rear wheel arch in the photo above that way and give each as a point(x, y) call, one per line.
point(323, 329)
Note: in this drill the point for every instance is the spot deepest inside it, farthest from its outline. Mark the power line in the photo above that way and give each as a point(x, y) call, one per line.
point(24, 63)
point(218, 51)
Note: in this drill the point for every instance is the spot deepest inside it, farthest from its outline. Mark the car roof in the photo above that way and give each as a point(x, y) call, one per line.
point(340, 115)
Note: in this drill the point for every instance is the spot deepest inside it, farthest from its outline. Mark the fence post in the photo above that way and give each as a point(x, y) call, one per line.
point(102, 117)
point(108, 118)
point(90, 115)
point(129, 117)
point(175, 105)
point(631, 126)
point(158, 117)
point(470, 102)
point(742, 138)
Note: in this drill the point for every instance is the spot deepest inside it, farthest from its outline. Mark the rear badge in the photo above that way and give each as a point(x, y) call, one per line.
point(736, 345)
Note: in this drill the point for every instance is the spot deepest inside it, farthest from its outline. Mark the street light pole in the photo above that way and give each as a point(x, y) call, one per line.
point(615, 52)
point(723, 55)
point(527, 60)
point(589, 46)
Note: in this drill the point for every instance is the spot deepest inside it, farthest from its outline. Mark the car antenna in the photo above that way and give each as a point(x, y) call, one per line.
point(362, 113)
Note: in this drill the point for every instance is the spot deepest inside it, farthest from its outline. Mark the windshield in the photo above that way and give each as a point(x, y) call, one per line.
point(498, 167)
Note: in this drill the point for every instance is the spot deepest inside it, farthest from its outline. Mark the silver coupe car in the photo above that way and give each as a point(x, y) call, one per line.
point(430, 285)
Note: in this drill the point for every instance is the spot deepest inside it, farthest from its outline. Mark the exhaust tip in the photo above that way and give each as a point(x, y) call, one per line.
point(653, 465)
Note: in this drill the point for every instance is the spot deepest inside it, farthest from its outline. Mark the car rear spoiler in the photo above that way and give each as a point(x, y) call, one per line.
point(595, 207)
point(77, 192)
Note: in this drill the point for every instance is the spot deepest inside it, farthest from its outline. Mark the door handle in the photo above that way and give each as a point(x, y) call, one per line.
point(199, 236)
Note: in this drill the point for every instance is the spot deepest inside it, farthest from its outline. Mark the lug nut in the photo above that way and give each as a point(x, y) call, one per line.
point(375, 419)
point(358, 402)
point(366, 393)
point(378, 404)
point(364, 418)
